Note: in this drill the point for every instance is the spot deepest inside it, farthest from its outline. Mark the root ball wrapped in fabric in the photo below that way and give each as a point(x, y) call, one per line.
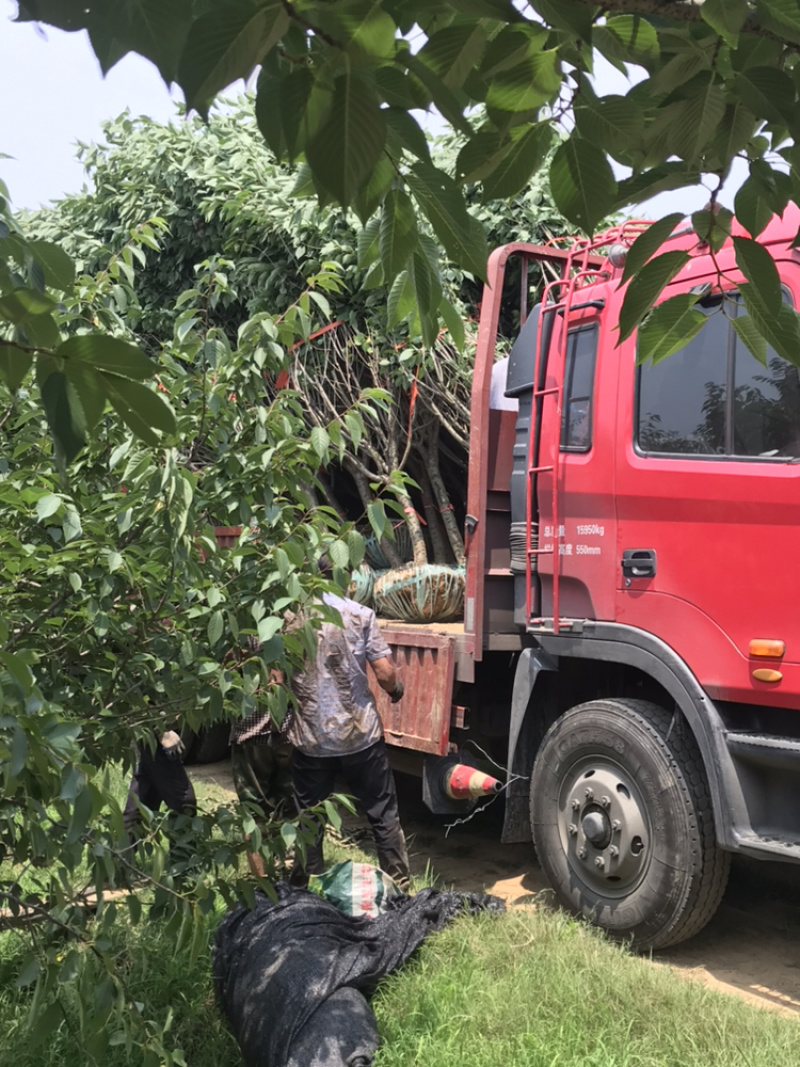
point(430, 593)
point(292, 975)
point(362, 582)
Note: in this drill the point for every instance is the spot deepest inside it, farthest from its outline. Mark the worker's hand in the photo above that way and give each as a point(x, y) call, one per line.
point(397, 692)
point(172, 745)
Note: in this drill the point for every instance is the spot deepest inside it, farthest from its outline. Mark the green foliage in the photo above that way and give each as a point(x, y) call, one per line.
point(121, 615)
point(645, 287)
point(669, 327)
point(338, 86)
point(167, 979)
point(220, 192)
point(581, 180)
point(80, 375)
point(119, 610)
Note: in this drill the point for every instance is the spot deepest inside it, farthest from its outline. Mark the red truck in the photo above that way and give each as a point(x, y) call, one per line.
point(631, 634)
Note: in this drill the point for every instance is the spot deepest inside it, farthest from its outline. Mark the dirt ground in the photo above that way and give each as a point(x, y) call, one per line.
point(751, 948)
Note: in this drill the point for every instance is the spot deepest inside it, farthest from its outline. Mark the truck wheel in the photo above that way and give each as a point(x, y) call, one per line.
point(622, 822)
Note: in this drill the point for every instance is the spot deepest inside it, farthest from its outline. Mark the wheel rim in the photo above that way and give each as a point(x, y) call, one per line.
point(604, 827)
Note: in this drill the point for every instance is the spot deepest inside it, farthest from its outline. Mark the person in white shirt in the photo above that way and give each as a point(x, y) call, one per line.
point(336, 729)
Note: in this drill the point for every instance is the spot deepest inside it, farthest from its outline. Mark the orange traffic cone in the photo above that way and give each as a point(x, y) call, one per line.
point(462, 783)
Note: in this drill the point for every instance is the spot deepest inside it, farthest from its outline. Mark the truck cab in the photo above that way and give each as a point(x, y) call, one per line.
point(630, 633)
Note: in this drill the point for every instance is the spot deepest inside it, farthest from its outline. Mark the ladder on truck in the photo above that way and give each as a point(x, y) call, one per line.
point(576, 265)
point(578, 271)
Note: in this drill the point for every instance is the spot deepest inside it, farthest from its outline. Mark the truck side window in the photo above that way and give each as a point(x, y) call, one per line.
point(714, 398)
point(681, 396)
point(766, 406)
point(576, 413)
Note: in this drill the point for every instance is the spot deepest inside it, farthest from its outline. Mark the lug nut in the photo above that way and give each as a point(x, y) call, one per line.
point(600, 863)
point(582, 853)
point(613, 851)
point(605, 802)
point(589, 794)
point(573, 829)
point(576, 804)
point(616, 826)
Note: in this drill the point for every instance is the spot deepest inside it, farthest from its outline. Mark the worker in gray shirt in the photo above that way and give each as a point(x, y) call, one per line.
point(336, 729)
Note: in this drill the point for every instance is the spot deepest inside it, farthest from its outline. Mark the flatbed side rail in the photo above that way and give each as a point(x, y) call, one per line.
point(425, 658)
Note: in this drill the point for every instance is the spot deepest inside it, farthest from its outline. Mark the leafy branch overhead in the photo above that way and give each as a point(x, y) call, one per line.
point(341, 86)
point(79, 375)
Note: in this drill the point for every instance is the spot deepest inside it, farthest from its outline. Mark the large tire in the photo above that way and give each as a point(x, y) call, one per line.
point(622, 822)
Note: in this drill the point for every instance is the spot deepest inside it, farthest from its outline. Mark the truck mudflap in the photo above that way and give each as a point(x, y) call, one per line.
point(425, 659)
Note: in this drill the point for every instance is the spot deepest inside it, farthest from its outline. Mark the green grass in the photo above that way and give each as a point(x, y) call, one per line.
point(158, 977)
point(31, 879)
point(536, 989)
point(524, 989)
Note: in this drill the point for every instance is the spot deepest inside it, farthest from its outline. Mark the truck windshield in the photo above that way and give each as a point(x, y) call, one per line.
point(714, 398)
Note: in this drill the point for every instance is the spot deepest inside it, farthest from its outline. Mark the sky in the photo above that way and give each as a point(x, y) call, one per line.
point(55, 95)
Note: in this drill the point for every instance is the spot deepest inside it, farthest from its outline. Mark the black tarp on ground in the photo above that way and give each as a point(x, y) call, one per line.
point(291, 976)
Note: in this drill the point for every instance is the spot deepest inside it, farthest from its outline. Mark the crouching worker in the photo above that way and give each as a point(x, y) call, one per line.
point(159, 778)
point(336, 729)
point(260, 765)
point(261, 777)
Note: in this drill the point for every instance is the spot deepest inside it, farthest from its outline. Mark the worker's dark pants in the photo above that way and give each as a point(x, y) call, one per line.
point(262, 775)
point(158, 780)
point(369, 779)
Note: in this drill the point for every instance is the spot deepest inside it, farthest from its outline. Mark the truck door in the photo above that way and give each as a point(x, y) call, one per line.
point(579, 444)
point(708, 501)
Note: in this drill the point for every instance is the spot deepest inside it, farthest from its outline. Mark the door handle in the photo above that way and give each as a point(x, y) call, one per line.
point(639, 563)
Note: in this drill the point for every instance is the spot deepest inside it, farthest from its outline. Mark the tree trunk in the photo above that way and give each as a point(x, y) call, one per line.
point(418, 546)
point(312, 496)
point(439, 543)
point(442, 499)
point(367, 498)
point(331, 498)
point(415, 529)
